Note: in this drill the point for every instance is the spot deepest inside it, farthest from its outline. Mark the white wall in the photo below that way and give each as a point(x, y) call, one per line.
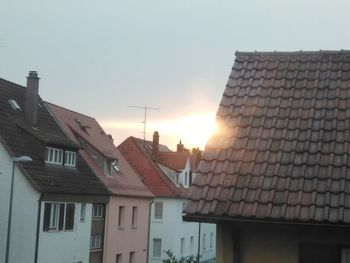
point(24, 214)
point(172, 228)
point(66, 246)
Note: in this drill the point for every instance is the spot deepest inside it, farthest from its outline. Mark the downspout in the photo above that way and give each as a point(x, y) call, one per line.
point(38, 229)
point(149, 229)
point(199, 242)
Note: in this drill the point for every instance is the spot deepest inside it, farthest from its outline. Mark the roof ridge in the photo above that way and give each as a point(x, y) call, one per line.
point(58, 106)
point(299, 52)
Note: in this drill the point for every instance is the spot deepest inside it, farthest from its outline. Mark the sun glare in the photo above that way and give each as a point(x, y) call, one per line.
point(194, 130)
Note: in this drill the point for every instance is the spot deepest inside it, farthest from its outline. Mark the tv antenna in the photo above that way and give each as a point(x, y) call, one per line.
point(145, 117)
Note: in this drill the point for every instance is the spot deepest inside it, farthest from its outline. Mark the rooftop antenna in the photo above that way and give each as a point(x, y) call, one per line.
point(145, 117)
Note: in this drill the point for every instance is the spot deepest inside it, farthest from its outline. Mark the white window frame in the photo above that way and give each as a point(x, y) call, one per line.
point(158, 214)
point(121, 216)
point(70, 158)
point(82, 212)
point(97, 211)
point(54, 155)
point(96, 242)
point(158, 253)
point(54, 216)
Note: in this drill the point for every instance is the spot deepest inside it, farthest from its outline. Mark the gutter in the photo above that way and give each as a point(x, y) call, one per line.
point(149, 229)
point(38, 229)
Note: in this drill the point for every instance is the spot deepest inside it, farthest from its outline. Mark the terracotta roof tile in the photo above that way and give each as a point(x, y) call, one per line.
point(125, 183)
point(283, 146)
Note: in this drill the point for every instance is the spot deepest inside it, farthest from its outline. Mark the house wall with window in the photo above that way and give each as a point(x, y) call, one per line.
point(72, 244)
point(275, 243)
point(24, 213)
point(127, 229)
point(170, 232)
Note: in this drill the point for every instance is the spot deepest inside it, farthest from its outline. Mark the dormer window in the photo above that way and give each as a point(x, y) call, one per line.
point(54, 155)
point(111, 165)
point(70, 158)
point(60, 156)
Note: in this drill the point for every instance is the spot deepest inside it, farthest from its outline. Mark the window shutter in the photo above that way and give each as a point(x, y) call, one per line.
point(47, 211)
point(61, 218)
point(70, 217)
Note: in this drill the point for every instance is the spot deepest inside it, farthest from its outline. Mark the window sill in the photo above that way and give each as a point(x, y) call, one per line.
point(95, 249)
point(157, 221)
point(120, 228)
point(134, 227)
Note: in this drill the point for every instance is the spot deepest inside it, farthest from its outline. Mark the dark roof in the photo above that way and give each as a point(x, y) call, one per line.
point(139, 154)
point(126, 182)
point(282, 152)
point(21, 138)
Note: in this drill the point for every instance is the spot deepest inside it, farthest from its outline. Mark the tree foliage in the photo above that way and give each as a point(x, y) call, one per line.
point(172, 259)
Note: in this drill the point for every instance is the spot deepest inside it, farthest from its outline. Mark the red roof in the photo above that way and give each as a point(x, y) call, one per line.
point(81, 128)
point(138, 153)
point(174, 160)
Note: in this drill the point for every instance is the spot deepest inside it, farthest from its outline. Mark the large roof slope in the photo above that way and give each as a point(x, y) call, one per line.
point(139, 154)
point(283, 149)
point(79, 126)
point(21, 138)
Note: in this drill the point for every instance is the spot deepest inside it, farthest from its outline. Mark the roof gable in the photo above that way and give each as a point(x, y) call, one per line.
point(282, 152)
point(21, 138)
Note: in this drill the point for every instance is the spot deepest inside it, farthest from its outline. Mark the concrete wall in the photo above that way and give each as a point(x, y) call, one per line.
point(172, 228)
point(66, 246)
point(24, 214)
point(272, 243)
point(125, 239)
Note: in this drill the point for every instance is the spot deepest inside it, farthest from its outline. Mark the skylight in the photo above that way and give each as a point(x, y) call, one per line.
point(14, 105)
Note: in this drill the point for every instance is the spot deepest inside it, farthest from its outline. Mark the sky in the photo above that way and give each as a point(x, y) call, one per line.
point(101, 57)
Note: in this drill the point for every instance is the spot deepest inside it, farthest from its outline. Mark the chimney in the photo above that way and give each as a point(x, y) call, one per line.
point(32, 97)
point(155, 145)
point(180, 147)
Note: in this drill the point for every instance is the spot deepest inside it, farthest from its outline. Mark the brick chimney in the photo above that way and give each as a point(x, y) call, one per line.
point(180, 147)
point(32, 97)
point(155, 145)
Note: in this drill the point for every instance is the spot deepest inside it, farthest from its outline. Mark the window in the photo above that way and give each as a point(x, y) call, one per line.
point(192, 243)
point(82, 212)
point(70, 158)
point(14, 105)
point(115, 166)
point(186, 179)
point(158, 210)
point(211, 240)
point(182, 251)
point(54, 156)
point(157, 247)
point(95, 242)
point(118, 258)
point(121, 216)
point(345, 256)
point(134, 217)
point(58, 216)
point(97, 211)
point(204, 241)
point(132, 257)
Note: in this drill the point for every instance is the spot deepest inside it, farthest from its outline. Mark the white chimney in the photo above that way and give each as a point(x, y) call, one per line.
point(32, 97)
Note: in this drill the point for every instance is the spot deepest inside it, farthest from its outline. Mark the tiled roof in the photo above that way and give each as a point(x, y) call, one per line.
point(139, 154)
point(79, 126)
point(21, 138)
point(174, 160)
point(283, 149)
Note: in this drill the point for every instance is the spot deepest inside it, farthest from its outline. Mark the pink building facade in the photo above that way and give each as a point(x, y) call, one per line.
point(127, 212)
